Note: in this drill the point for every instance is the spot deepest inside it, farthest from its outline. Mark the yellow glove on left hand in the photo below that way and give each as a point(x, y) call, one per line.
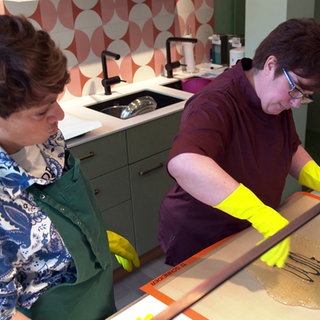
point(310, 175)
point(243, 204)
point(124, 252)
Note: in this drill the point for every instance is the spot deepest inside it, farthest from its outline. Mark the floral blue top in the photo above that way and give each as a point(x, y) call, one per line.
point(33, 257)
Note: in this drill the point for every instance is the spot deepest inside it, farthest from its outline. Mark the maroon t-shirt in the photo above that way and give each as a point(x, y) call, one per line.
point(225, 122)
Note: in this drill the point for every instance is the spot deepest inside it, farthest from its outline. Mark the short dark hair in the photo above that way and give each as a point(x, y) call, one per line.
point(31, 65)
point(296, 45)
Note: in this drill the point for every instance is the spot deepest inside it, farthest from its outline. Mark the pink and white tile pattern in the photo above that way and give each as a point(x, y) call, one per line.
point(135, 29)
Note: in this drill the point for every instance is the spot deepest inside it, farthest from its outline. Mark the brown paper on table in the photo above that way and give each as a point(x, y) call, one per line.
point(242, 296)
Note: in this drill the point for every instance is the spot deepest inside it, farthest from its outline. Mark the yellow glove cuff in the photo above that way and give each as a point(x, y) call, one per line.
point(243, 204)
point(310, 175)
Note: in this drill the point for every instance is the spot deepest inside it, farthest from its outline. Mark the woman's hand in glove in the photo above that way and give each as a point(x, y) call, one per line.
point(310, 175)
point(244, 204)
point(124, 252)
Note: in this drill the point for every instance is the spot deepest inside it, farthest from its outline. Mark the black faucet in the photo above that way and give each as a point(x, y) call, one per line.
point(106, 81)
point(172, 65)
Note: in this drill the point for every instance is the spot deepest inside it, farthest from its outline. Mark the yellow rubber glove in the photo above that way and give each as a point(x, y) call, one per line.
point(244, 204)
point(310, 175)
point(124, 252)
point(147, 317)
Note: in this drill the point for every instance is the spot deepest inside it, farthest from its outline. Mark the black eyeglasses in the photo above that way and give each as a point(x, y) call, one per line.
point(296, 92)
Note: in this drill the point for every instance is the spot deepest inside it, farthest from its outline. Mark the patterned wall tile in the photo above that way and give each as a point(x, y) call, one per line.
point(135, 29)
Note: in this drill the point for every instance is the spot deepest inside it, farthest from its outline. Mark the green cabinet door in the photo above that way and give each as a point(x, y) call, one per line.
point(149, 183)
point(119, 219)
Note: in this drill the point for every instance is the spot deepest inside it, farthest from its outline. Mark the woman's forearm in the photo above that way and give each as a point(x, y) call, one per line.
point(202, 177)
point(299, 159)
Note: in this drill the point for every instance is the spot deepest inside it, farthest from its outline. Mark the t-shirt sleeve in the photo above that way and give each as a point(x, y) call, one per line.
point(204, 129)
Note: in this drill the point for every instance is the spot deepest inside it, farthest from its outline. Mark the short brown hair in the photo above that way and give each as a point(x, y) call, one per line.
point(296, 45)
point(31, 65)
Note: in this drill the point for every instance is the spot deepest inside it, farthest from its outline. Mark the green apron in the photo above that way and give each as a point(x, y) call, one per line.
point(71, 205)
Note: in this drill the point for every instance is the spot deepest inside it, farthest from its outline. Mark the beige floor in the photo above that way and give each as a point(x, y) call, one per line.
point(127, 289)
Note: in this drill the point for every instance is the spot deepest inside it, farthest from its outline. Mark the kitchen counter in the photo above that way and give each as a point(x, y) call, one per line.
point(78, 106)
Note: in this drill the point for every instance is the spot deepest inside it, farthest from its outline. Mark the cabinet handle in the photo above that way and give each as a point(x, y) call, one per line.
point(87, 156)
point(142, 173)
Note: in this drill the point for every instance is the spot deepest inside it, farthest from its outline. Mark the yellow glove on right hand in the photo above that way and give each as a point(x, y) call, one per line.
point(310, 175)
point(244, 204)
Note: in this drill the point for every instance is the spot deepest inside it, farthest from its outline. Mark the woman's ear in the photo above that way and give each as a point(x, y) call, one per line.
point(270, 65)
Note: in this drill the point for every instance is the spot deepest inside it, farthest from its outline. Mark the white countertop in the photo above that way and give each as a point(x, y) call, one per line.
point(78, 106)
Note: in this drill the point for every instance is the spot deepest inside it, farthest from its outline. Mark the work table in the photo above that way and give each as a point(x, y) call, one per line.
point(242, 296)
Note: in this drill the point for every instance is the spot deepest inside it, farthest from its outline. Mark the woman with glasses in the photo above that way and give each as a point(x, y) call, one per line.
point(237, 143)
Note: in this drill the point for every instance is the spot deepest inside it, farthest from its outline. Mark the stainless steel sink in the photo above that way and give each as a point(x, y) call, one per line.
point(122, 107)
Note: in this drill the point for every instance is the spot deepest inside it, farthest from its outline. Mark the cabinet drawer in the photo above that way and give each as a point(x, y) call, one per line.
point(152, 137)
point(112, 188)
point(102, 155)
